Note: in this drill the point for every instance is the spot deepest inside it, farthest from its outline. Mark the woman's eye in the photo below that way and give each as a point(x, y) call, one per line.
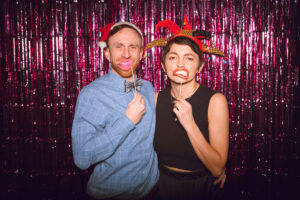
point(171, 57)
point(190, 59)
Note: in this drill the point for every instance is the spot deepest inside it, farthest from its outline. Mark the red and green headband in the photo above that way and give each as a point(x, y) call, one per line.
point(195, 35)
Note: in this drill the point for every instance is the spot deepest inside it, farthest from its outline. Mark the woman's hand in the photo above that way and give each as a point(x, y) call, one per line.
point(221, 179)
point(184, 113)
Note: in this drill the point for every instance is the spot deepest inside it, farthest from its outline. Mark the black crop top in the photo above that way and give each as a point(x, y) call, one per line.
point(171, 142)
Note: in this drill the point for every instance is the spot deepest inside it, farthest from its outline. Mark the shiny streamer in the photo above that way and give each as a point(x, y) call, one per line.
point(49, 51)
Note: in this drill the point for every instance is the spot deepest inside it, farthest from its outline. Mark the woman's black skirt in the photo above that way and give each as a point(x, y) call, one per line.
point(191, 185)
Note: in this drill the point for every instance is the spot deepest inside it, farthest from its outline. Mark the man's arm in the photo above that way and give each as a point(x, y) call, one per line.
point(93, 139)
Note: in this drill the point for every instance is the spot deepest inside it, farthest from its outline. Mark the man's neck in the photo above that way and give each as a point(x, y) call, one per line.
point(131, 78)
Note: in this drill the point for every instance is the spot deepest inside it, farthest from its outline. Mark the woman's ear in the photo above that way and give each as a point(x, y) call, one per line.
point(163, 66)
point(201, 67)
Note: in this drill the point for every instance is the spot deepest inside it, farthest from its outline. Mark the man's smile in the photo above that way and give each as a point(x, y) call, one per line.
point(125, 64)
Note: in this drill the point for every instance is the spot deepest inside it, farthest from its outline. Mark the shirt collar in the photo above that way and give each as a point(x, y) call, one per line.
point(117, 81)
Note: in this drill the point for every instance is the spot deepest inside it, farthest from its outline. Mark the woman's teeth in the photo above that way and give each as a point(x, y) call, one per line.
point(183, 73)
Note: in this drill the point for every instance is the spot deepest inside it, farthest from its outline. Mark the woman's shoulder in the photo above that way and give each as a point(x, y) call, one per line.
point(218, 102)
point(208, 90)
point(155, 97)
point(218, 106)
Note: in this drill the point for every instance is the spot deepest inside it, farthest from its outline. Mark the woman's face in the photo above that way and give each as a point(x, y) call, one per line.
point(181, 63)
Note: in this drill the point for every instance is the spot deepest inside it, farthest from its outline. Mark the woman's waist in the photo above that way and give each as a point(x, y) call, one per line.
point(182, 164)
point(181, 171)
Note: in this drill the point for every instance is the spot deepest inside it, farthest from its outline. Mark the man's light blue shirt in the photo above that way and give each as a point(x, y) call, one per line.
point(102, 135)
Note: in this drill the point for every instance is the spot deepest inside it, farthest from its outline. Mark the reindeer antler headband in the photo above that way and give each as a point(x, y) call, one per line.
point(195, 35)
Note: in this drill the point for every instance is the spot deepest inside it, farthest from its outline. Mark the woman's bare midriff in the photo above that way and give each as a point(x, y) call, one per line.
point(179, 170)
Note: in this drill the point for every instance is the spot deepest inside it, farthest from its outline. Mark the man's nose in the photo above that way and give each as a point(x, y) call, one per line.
point(126, 52)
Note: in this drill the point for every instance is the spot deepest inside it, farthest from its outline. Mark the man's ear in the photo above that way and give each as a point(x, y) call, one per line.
point(107, 53)
point(201, 67)
point(142, 53)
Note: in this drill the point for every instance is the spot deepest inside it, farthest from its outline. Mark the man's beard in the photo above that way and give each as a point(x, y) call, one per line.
point(123, 73)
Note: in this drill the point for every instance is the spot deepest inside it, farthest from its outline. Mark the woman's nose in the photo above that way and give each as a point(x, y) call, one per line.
point(180, 63)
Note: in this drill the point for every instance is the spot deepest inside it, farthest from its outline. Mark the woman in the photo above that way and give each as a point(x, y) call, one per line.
point(192, 126)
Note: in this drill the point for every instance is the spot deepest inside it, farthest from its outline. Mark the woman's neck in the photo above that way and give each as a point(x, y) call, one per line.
point(185, 90)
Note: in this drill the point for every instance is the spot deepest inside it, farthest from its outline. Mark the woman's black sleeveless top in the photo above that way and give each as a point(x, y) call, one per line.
point(171, 142)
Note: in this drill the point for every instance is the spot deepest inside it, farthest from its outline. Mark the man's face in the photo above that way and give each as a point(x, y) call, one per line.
point(124, 52)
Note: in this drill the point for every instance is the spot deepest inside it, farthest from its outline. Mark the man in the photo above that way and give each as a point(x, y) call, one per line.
point(113, 127)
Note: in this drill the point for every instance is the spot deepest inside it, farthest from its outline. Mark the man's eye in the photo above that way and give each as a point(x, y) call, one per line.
point(190, 59)
point(172, 58)
point(133, 47)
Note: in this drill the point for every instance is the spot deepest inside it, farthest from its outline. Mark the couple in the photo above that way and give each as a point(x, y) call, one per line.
point(119, 118)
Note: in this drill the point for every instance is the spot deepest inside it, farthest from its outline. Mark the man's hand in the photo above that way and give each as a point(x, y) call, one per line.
point(136, 108)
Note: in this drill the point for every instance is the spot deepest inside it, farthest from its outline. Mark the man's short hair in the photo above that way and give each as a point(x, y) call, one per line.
point(121, 25)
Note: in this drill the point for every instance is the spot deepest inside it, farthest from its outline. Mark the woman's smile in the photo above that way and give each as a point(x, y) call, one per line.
point(181, 73)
